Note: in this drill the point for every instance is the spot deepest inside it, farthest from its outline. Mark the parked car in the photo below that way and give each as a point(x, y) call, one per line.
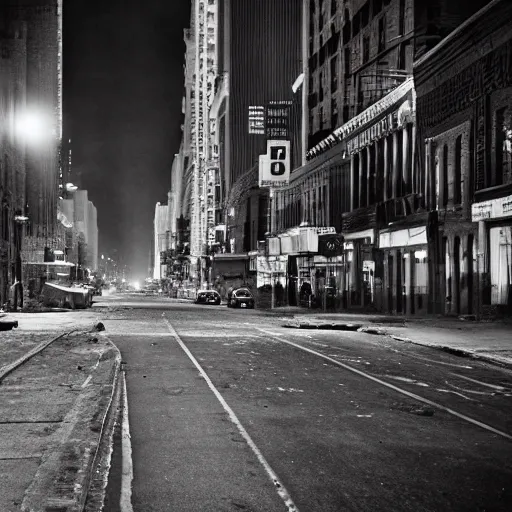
point(241, 298)
point(208, 297)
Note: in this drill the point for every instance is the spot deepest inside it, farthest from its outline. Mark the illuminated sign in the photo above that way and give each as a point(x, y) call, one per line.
point(256, 120)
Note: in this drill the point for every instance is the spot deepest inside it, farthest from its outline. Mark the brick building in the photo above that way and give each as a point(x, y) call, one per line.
point(364, 180)
point(359, 50)
point(465, 120)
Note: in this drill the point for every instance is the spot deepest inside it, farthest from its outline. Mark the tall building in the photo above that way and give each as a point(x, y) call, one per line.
point(260, 58)
point(31, 64)
point(92, 237)
point(161, 239)
point(13, 58)
point(200, 74)
point(41, 122)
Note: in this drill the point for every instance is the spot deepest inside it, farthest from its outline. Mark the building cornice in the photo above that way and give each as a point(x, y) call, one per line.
point(364, 118)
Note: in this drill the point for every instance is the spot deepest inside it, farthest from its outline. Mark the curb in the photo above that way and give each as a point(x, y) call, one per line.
point(379, 332)
point(65, 474)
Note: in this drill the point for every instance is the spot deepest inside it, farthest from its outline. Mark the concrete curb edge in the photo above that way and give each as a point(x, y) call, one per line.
point(63, 486)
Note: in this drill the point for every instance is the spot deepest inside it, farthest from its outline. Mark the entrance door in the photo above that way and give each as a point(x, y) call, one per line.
point(391, 282)
point(399, 284)
point(456, 275)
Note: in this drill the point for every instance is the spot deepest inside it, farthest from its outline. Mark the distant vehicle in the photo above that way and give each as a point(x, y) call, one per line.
point(241, 298)
point(208, 297)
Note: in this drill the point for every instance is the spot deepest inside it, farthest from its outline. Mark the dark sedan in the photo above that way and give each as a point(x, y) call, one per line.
point(208, 297)
point(241, 298)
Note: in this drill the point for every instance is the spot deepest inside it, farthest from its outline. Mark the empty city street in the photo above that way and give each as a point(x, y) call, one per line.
point(230, 410)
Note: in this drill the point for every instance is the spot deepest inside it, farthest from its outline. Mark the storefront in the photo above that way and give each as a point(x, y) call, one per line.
point(404, 254)
point(358, 281)
point(494, 219)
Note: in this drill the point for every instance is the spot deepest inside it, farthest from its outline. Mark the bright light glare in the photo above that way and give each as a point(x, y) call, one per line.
point(33, 127)
point(124, 280)
point(136, 285)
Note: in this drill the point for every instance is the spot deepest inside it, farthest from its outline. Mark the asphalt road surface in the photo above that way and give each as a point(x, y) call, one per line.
point(231, 411)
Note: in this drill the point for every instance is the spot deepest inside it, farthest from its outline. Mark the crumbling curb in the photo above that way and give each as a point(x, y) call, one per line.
point(346, 326)
point(63, 479)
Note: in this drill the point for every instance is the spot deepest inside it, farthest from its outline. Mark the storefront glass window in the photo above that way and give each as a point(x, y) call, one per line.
point(500, 253)
point(420, 276)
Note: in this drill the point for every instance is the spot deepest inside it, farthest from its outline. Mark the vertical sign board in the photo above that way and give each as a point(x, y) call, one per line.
point(274, 167)
point(256, 120)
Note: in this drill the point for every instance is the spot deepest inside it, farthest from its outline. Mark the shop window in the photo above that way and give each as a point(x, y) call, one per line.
point(503, 146)
point(500, 258)
point(420, 278)
point(457, 175)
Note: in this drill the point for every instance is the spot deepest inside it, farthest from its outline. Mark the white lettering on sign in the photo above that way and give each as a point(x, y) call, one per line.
point(492, 209)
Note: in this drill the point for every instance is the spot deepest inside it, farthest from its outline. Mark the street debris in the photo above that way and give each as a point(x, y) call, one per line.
point(98, 327)
point(8, 325)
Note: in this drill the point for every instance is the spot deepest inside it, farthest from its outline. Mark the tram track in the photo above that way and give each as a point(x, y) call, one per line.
point(281, 338)
point(6, 369)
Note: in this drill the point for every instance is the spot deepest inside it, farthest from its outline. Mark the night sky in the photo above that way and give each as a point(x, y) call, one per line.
point(122, 89)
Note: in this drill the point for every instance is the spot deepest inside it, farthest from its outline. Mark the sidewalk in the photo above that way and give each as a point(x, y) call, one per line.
point(489, 341)
point(54, 409)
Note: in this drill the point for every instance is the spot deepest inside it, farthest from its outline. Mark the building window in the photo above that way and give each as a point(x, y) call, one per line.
point(503, 146)
point(321, 115)
point(334, 73)
point(366, 49)
point(377, 7)
point(346, 61)
point(347, 27)
point(334, 5)
point(365, 14)
point(401, 18)
point(382, 34)
point(401, 61)
point(457, 177)
point(334, 114)
point(445, 176)
point(346, 113)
